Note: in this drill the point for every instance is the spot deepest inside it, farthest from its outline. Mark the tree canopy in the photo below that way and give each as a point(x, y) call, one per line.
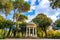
point(6, 6)
point(21, 6)
point(57, 23)
point(5, 23)
point(42, 20)
point(20, 17)
point(55, 4)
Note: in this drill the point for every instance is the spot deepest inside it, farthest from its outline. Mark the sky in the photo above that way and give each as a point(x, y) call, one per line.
point(42, 6)
point(37, 7)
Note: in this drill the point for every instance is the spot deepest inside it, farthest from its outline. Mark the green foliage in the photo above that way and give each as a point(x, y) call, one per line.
point(57, 23)
point(42, 20)
point(2, 3)
point(55, 4)
point(2, 20)
point(21, 5)
point(53, 34)
point(9, 23)
point(1, 33)
point(25, 7)
point(6, 24)
point(23, 26)
point(40, 33)
point(20, 17)
point(50, 33)
point(17, 3)
point(20, 23)
point(6, 6)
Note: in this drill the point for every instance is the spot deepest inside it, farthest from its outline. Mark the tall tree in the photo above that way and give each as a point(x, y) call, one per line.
point(5, 24)
point(2, 24)
point(42, 21)
point(20, 20)
point(8, 5)
point(20, 6)
point(22, 26)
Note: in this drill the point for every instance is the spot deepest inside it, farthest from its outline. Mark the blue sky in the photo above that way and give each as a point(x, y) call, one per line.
point(42, 6)
point(37, 7)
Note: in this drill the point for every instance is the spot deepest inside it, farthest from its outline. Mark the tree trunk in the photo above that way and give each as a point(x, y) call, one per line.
point(5, 30)
point(4, 34)
point(9, 32)
point(45, 33)
point(14, 33)
point(42, 34)
point(22, 33)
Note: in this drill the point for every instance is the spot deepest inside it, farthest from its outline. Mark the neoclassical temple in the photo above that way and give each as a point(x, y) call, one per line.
point(31, 30)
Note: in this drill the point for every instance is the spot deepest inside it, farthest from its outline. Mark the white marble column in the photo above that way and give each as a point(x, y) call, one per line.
point(33, 32)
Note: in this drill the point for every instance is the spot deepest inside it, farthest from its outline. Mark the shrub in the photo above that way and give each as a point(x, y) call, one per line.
point(53, 34)
point(1, 34)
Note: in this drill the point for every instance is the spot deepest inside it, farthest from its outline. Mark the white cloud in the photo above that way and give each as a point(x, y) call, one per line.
point(30, 17)
point(32, 7)
point(39, 0)
point(32, 2)
point(11, 19)
point(53, 17)
point(3, 15)
point(44, 3)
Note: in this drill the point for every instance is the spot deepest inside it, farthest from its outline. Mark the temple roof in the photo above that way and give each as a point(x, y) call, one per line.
point(31, 24)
